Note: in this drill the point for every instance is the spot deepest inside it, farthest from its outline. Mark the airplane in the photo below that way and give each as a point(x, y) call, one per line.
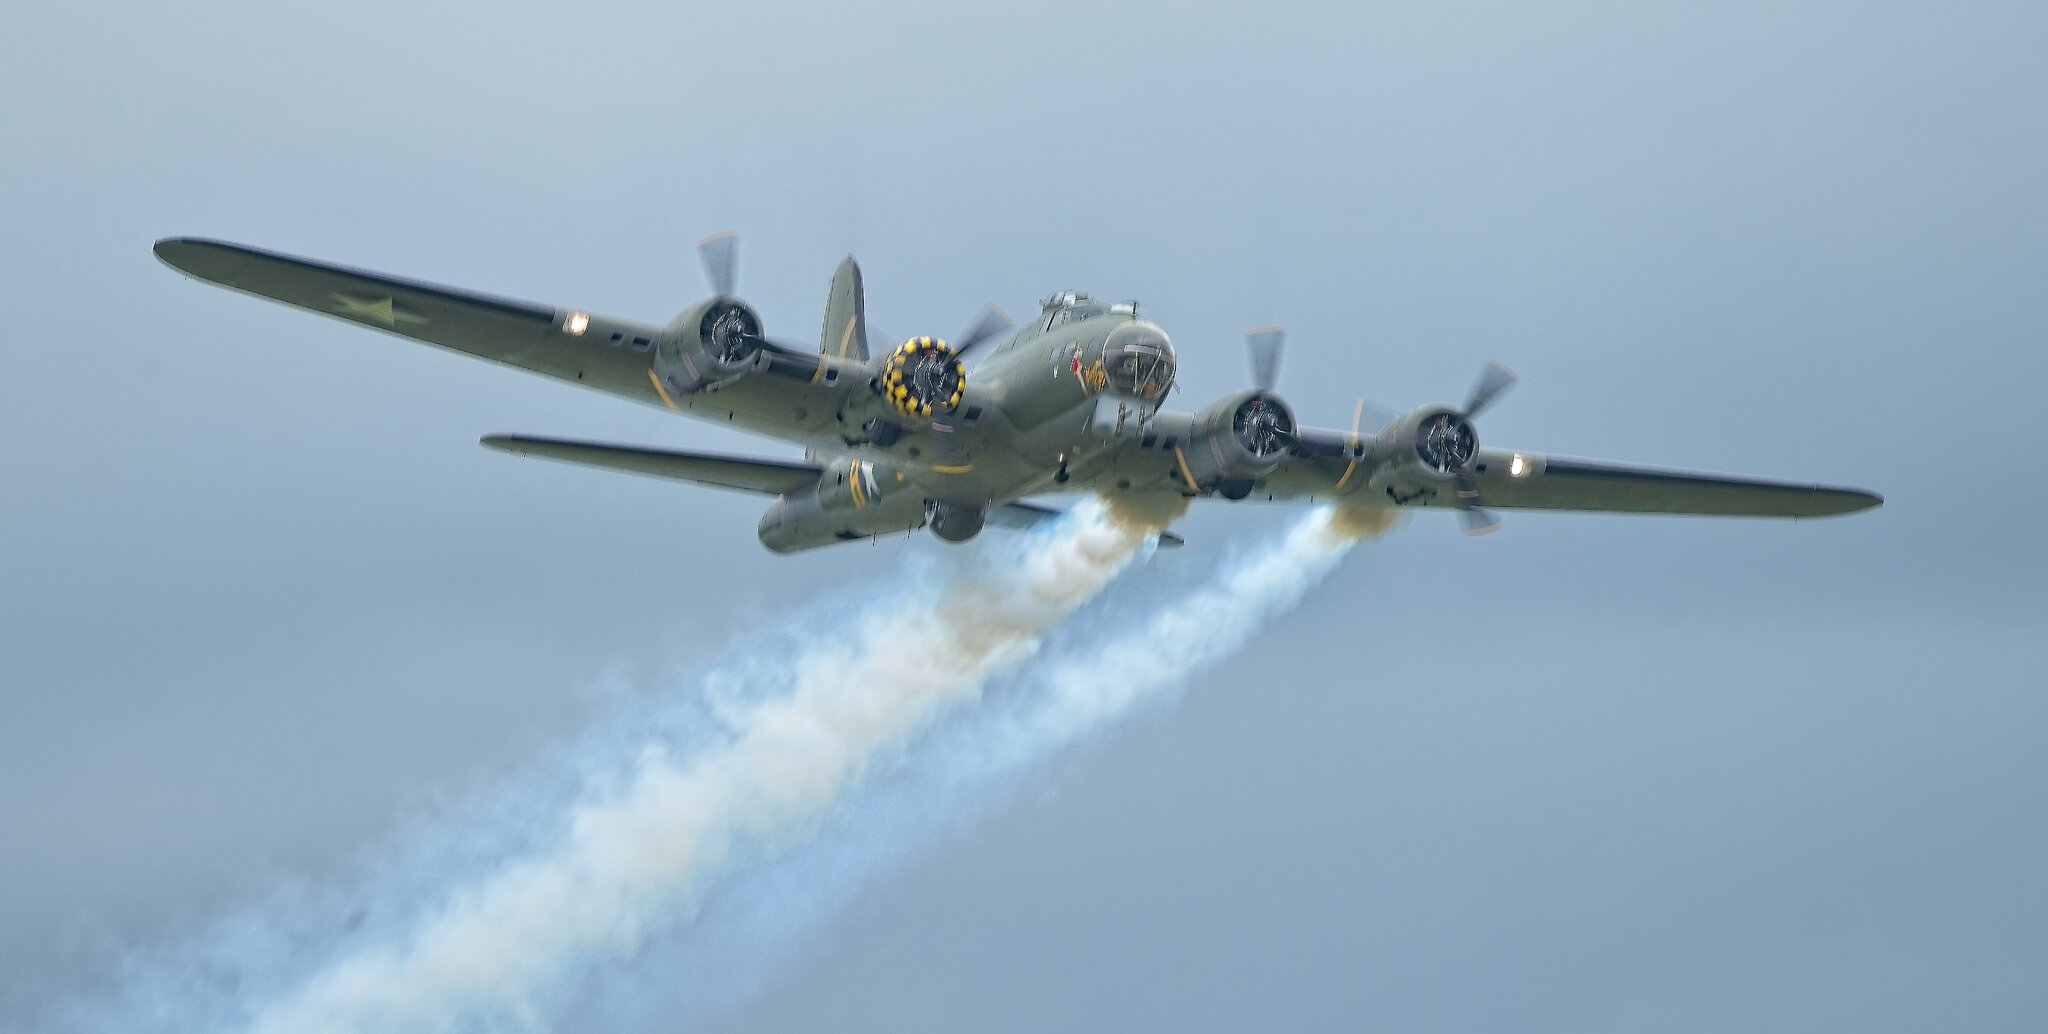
point(901, 435)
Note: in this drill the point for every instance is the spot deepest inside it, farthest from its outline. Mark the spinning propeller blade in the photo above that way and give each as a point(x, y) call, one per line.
point(720, 254)
point(1264, 343)
point(1494, 380)
point(992, 323)
point(1479, 520)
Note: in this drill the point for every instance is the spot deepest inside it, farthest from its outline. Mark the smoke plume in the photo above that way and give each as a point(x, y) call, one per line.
point(820, 743)
point(1130, 649)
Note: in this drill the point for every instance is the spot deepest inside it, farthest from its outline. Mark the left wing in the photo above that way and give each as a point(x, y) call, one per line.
point(1510, 480)
point(1559, 483)
point(610, 355)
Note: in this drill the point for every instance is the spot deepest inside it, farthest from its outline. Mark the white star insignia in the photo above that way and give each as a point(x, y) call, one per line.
point(380, 311)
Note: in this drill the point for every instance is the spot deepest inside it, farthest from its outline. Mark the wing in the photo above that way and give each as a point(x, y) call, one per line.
point(1561, 483)
point(1541, 482)
point(767, 477)
point(613, 356)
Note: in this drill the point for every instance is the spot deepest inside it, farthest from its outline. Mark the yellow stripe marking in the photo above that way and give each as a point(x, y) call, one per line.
point(1182, 458)
point(860, 498)
point(1357, 415)
point(846, 337)
point(659, 390)
point(959, 469)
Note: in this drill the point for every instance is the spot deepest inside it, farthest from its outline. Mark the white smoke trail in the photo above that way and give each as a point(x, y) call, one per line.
point(1085, 688)
point(500, 938)
point(630, 853)
point(1116, 657)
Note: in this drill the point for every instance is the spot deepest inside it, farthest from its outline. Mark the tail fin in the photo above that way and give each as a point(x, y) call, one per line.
point(846, 321)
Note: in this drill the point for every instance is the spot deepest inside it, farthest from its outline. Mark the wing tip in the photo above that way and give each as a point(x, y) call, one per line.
point(1849, 500)
point(203, 257)
point(170, 250)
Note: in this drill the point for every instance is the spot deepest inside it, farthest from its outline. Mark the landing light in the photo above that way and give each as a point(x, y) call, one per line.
point(576, 323)
point(1517, 466)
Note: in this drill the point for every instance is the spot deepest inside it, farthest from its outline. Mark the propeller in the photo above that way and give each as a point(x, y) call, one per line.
point(992, 323)
point(1478, 520)
point(1264, 344)
point(1493, 381)
point(720, 254)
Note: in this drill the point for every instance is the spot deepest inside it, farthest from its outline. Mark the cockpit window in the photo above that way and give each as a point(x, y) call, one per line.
point(1069, 307)
point(1073, 314)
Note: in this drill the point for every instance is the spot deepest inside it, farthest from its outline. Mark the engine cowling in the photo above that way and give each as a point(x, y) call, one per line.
point(853, 499)
point(922, 377)
point(1238, 440)
point(1436, 440)
point(710, 344)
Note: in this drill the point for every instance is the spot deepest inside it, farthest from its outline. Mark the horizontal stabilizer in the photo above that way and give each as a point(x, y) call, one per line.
point(768, 477)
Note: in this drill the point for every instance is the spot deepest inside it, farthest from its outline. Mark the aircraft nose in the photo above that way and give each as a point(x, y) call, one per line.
point(1140, 361)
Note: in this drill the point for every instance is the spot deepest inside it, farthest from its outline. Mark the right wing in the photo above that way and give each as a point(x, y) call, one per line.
point(610, 355)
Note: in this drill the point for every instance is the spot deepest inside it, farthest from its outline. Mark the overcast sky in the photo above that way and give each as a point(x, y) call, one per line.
point(263, 599)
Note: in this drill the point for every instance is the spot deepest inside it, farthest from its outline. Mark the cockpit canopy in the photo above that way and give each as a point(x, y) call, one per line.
point(1063, 307)
point(1139, 360)
point(1066, 307)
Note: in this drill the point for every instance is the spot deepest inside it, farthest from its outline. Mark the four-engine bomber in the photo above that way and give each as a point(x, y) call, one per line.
point(956, 435)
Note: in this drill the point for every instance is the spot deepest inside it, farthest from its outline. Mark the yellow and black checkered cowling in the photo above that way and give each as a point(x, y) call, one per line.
point(923, 376)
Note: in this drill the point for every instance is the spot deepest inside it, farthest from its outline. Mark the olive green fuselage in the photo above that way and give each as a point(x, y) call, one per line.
point(1024, 426)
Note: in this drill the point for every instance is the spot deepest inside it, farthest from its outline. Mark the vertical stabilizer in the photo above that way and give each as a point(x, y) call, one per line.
point(846, 321)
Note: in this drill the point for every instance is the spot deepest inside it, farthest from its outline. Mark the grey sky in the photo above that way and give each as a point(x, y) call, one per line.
point(261, 595)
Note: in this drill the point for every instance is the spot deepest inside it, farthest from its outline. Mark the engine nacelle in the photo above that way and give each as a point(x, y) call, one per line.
point(922, 377)
point(1436, 440)
point(954, 522)
point(710, 344)
point(1234, 442)
point(852, 500)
